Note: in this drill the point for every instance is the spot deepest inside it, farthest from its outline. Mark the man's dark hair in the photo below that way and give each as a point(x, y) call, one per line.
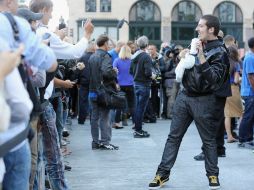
point(37, 5)
point(212, 22)
point(251, 43)
point(101, 40)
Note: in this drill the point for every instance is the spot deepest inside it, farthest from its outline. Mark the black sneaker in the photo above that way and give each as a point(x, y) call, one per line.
point(109, 147)
point(199, 157)
point(65, 133)
point(158, 182)
point(67, 168)
point(95, 146)
point(141, 134)
point(247, 145)
point(214, 182)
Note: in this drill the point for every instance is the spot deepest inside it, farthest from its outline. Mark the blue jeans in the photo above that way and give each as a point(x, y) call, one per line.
point(58, 107)
point(142, 93)
point(51, 150)
point(18, 166)
point(39, 180)
point(247, 123)
point(83, 103)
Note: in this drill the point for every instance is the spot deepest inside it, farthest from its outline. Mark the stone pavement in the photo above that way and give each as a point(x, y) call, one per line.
point(133, 166)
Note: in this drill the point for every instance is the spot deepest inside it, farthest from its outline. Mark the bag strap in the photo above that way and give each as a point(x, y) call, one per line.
point(10, 144)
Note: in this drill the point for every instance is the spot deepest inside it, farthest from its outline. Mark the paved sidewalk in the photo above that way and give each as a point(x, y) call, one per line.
point(133, 166)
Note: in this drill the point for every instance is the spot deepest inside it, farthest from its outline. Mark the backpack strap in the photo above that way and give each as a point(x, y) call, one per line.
point(10, 144)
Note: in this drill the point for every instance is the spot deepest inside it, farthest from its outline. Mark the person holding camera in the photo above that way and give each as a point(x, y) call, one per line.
point(196, 101)
point(158, 69)
point(170, 84)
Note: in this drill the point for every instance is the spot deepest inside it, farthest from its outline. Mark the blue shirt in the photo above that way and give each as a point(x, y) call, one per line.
point(36, 53)
point(113, 54)
point(232, 75)
point(124, 77)
point(248, 68)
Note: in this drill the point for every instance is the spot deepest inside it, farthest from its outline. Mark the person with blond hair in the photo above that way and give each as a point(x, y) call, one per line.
point(125, 80)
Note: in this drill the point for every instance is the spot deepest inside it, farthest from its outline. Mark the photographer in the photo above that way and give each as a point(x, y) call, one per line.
point(170, 85)
point(158, 67)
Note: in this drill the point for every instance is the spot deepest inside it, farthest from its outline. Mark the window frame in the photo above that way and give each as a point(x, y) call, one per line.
point(101, 6)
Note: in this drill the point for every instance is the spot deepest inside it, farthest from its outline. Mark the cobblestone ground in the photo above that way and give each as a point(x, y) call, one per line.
point(133, 166)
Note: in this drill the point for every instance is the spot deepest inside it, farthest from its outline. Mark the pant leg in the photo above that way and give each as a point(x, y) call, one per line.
point(247, 123)
point(220, 104)
point(130, 96)
point(204, 111)
point(34, 152)
point(179, 125)
point(83, 103)
point(51, 150)
point(142, 97)
point(18, 166)
point(118, 116)
point(95, 121)
point(59, 117)
point(39, 180)
point(105, 127)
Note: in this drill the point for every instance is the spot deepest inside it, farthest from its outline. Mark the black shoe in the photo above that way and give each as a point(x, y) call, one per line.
point(221, 154)
point(108, 147)
point(213, 182)
point(66, 167)
point(247, 145)
point(141, 134)
point(95, 146)
point(65, 133)
point(158, 182)
point(81, 122)
point(47, 184)
point(200, 157)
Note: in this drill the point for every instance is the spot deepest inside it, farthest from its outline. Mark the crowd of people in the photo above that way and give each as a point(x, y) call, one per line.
point(45, 81)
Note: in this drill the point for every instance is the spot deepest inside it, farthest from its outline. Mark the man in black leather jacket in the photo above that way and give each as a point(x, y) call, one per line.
point(101, 70)
point(196, 103)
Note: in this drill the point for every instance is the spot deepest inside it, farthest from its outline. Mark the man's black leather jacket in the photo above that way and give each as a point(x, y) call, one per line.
point(204, 79)
point(101, 70)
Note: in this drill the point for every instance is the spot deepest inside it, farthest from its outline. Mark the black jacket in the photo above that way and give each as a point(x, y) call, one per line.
point(84, 75)
point(101, 70)
point(141, 68)
point(209, 77)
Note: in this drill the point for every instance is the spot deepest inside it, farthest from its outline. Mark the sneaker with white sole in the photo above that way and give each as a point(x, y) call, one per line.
point(141, 134)
point(158, 182)
point(108, 147)
point(214, 182)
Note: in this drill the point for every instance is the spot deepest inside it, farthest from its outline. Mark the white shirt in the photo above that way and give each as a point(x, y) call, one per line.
point(62, 50)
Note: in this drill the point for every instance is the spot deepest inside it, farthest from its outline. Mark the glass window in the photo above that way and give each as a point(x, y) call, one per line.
point(228, 12)
point(185, 16)
point(112, 32)
point(186, 11)
point(145, 19)
point(90, 5)
point(99, 29)
point(105, 5)
point(145, 11)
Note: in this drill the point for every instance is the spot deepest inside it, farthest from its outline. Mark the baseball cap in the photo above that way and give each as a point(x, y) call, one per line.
point(29, 15)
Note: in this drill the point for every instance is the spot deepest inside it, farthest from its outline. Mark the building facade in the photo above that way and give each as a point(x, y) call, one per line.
point(161, 20)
